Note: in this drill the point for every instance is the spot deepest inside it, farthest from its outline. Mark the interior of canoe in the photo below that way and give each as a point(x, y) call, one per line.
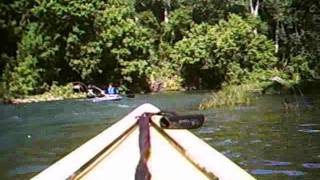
point(119, 161)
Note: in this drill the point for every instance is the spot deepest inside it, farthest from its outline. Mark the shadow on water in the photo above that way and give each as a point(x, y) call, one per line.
point(265, 139)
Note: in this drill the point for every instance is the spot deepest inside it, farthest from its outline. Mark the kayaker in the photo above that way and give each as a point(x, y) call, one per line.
point(90, 93)
point(111, 89)
point(116, 90)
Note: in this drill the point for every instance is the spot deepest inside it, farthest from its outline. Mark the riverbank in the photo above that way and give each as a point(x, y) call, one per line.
point(43, 98)
point(55, 93)
point(78, 90)
point(245, 94)
point(230, 95)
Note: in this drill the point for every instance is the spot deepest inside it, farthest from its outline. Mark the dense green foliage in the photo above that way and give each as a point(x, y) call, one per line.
point(180, 43)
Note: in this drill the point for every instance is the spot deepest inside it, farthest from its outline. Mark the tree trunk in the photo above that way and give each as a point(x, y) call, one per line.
point(284, 39)
point(254, 10)
point(166, 11)
point(277, 37)
point(166, 14)
point(254, 7)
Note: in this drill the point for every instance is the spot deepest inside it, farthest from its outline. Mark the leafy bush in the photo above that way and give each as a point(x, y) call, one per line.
point(298, 68)
point(63, 91)
point(24, 78)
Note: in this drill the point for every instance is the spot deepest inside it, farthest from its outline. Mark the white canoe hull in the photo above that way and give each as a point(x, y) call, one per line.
point(114, 154)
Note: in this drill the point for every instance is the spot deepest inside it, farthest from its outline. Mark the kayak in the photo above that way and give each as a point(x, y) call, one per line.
point(115, 154)
point(107, 97)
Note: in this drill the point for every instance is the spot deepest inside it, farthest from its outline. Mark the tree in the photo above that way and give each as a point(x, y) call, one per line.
point(229, 50)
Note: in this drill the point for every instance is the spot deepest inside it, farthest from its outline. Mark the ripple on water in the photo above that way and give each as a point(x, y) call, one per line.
point(207, 138)
point(206, 130)
point(269, 172)
point(77, 113)
point(15, 117)
point(20, 170)
point(231, 155)
point(255, 141)
point(12, 119)
point(226, 142)
point(311, 165)
point(309, 130)
point(275, 163)
point(123, 106)
point(270, 163)
point(308, 124)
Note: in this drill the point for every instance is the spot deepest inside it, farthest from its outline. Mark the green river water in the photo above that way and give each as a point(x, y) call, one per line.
point(264, 139)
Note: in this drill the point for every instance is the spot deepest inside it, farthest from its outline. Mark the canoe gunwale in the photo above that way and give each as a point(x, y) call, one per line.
point(66, 167)
point(84, 168)
point(203, 156)
point(78, 174)
point(182, 150)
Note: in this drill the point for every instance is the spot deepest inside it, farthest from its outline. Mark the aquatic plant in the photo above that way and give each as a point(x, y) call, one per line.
point(230, 95)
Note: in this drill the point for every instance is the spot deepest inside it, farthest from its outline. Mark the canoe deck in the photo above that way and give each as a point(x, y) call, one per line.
point(120, 161)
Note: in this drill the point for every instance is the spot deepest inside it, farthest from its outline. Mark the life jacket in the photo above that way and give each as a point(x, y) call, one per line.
point(111, 90)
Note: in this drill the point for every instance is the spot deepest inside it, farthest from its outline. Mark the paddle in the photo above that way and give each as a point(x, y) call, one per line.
point(131, 95)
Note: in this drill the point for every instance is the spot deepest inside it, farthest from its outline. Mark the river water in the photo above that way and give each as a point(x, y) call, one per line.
point(265, 139)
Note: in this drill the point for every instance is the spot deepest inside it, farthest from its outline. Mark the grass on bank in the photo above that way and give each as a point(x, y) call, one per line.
point(231, 95)
point(55, 93)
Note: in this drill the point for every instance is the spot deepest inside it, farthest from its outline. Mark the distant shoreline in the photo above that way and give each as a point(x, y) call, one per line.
point(41, 98)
